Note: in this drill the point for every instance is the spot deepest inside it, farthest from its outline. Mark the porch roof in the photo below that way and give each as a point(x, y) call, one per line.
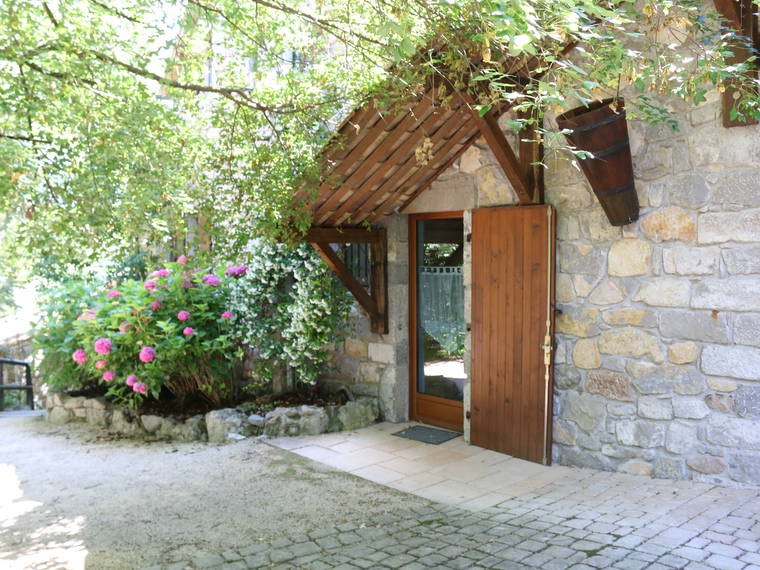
point(382, 158)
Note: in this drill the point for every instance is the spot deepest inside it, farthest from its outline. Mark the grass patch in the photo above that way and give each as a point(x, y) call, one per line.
point(593, 552)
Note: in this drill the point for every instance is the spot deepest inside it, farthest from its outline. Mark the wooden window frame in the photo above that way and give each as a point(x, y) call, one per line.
point(423, 407)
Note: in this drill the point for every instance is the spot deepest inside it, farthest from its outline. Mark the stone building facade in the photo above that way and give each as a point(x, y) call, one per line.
point(657, 361)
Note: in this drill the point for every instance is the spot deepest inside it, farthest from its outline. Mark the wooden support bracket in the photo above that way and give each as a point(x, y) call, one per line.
point(513, 169)
point(374, 302)
point(742, 16)
point(531, 155)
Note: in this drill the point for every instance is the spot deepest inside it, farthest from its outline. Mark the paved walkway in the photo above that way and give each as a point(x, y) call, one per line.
point(499, 512)
point(453, 473)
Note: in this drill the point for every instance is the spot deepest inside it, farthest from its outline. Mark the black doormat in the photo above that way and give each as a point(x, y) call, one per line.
point(427, 434)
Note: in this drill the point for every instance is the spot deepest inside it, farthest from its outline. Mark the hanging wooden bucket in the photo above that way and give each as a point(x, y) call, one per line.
point(601, 130)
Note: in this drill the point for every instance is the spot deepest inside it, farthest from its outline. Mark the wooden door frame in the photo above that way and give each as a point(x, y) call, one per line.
point(429, 409)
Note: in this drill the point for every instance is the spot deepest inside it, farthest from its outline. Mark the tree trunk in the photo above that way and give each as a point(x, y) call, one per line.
point(280, 379)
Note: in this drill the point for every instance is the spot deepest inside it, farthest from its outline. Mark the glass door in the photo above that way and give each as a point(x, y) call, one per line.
point(437, 319)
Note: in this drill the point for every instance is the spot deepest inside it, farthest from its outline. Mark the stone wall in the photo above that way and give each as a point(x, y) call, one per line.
point(217, 426)
point(378, 365)
point(657, 366)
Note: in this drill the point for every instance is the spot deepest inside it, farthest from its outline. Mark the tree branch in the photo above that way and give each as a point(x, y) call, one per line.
point(23, 138)
point(238, 95)
point(325, 25)
point(58, 74)
point(234, 26)
point(49, 14)
point(119, 13)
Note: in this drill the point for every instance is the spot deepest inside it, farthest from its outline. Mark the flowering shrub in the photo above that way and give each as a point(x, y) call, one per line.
point(289, 307)
point(169, 331)
point(63, 363)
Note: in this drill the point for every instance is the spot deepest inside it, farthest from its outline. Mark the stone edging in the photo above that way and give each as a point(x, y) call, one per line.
point(217, 426)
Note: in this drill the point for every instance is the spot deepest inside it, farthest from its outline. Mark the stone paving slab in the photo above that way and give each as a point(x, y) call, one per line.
point(588, 521)
point(453, 472)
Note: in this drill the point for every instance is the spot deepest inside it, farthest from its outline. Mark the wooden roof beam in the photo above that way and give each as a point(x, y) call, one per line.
point(489, 128)
point(341, 235)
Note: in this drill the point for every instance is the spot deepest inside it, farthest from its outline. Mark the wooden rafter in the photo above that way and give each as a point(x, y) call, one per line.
point(402, 156)
point(411, 171)
point(379, 154)
point(374, 302)
point(451, 149)
point(505, 156)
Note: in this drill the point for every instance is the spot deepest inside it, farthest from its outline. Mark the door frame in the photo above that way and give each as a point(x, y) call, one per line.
point(429, 409)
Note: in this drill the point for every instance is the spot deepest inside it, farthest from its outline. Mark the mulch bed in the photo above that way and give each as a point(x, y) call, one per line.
point(267, 403)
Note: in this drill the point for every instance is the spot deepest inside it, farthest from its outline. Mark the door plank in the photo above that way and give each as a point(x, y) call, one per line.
point(511, 256)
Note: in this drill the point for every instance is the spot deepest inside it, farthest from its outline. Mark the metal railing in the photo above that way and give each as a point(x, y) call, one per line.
point(24, 387)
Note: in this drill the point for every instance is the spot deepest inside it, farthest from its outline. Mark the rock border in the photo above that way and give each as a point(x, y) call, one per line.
point(217, 426)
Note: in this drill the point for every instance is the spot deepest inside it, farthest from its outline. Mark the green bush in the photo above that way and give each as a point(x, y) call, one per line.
point(290, 308)
point(55, 335)
point(170, 331)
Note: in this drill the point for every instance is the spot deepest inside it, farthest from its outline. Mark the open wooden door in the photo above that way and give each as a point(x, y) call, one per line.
point(512, 330)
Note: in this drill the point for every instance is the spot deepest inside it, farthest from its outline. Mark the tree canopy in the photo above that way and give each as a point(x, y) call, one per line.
point(123, 124)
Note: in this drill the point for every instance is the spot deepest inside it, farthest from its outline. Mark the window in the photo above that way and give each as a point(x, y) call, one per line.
point(357, 258)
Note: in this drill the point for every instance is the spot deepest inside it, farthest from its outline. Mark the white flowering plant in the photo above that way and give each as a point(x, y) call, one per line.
point(289, 308)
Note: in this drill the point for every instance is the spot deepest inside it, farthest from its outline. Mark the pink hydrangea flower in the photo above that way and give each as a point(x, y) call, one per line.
point(79, 356)
point(236, 271)
point(109, 375)
point(163, 272)
point(131, 379)
point(103, 346)
point(88, 315)
point(211, 279)
point(226, 315)
point(155, 305)
point(183, 315)
point(150, 285)
point(147, 354)
point(181, 260)
point(140, 387)
point(188, 331)
point(101, 364)
point(113, 294)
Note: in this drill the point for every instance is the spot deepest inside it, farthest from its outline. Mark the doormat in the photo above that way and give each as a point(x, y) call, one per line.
point(427, 434)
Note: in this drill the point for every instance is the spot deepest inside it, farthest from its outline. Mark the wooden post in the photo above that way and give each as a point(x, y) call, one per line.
point(742, 16)
point(379, 281)
point(532, 153)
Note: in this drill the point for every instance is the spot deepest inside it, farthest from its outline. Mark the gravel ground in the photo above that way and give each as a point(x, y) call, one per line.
point(74, 498)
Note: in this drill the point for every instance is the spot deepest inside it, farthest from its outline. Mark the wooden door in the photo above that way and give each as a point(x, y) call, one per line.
point(512, 322)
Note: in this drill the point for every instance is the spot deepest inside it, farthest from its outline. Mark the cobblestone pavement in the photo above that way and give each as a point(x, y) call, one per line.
point(585, 520)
